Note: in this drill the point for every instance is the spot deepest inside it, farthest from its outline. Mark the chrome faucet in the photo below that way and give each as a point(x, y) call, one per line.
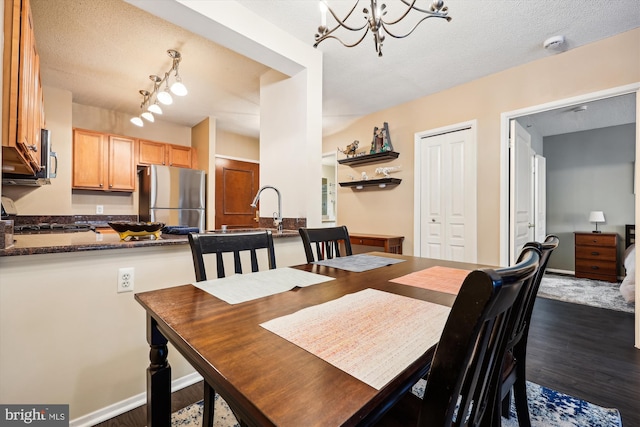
point(277, 216)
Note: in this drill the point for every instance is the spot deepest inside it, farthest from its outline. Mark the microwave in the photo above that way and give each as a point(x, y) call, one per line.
point(48, 163)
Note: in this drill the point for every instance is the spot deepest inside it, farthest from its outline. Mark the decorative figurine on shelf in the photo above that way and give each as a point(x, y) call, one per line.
point(350, 149)
point(386, 170)
point(381, 140)
point(365, 177)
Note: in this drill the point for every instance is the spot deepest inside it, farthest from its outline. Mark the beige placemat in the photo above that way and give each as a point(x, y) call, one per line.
point(371, 335)
point(246, 287)
point(441, 279)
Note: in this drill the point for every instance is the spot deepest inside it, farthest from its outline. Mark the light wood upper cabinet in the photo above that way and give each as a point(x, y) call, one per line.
point(103, 162)
point(159, 153)
point(151, 153)
point(121, 163)
point(179, 156)
point(22, 100)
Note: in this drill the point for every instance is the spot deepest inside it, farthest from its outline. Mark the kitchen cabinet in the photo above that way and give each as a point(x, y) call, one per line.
point(596, 256)
point(159, 153)
point(22, 100)
point(103, 162)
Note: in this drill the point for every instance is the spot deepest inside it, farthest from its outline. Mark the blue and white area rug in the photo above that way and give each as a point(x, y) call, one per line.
point(595, 293)
point(548, 408)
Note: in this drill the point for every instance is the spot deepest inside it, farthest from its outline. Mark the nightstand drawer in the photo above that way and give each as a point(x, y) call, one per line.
point(596, 239)
point(586, 266)
point(596, 253)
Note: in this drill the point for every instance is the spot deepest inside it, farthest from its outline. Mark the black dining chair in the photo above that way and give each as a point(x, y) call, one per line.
point(463, 382)
point(514, 364)
point(219, 244)
point(326, 241)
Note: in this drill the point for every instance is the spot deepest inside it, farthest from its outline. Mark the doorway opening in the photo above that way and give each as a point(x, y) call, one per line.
point(633, 90)
point(329, 190)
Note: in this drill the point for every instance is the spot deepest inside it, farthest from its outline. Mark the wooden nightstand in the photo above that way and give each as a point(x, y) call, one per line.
point(597, 256)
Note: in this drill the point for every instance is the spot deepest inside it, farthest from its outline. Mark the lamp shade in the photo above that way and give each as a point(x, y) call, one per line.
point(596, 216)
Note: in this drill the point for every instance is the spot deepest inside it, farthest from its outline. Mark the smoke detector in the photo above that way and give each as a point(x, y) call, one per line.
point(554, 43)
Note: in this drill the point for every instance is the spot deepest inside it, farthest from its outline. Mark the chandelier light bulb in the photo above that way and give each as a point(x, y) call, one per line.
point(148, 116)
point(137, 121)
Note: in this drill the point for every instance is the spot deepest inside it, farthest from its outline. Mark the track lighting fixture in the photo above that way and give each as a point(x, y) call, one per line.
point(149, 105)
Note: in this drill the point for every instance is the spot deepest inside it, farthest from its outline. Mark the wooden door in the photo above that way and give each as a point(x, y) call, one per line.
point(237, 182)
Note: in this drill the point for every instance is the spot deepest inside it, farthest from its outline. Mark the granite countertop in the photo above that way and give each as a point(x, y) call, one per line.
point(31, 244)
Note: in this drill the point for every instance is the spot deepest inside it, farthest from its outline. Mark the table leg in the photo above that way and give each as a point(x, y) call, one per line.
point(158, 378)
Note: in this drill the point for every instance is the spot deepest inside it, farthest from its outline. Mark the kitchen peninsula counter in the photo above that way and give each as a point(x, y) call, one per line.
point(32, 244)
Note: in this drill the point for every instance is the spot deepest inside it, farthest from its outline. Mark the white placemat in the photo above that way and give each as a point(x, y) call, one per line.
point(359, 263)
point(371, 335)
point(246, 287)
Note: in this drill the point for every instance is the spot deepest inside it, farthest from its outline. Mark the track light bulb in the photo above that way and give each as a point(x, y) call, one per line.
point(165, 97)
point(155, 108)
point(148, 116)
point(178, 88)
point(137, 121)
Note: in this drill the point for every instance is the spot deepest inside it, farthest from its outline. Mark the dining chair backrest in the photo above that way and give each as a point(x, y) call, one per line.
point(525, 303)
point(462, 383)
point(221, 243)
point(513, 371)
point(326, 241)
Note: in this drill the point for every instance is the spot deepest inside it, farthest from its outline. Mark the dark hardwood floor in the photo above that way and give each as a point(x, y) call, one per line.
point(583, 351)
point(586, 352)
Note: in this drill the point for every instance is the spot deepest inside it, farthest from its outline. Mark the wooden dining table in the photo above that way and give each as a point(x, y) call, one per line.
point(265, 379)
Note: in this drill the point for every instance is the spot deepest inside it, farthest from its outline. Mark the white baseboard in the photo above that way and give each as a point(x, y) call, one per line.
point(133, 402)
point(555, 270)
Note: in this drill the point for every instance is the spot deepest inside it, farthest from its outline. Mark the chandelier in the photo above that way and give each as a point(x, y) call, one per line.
point(151, 100)
point(374, 21)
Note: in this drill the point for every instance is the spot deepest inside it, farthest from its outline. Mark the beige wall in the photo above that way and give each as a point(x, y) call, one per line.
point(602, 65)
point(68, 337)
point(240, 147)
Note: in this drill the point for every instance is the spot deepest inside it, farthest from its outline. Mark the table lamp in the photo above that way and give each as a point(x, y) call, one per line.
point(596, 216)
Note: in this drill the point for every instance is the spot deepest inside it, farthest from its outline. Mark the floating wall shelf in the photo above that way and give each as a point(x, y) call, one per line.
point(380, 183)
point(369, 158)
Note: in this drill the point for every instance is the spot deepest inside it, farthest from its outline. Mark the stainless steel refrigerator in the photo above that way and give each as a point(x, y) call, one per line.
point(174, 196)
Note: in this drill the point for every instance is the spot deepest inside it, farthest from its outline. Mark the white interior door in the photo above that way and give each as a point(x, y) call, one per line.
point(521, 190)
point(540, 198)
point(447, 196)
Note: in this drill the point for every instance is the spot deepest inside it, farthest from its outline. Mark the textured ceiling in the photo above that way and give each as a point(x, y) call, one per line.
point(104, 50)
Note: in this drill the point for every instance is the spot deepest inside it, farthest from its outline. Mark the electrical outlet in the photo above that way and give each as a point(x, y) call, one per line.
point(125, 279)
point(99, 209)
